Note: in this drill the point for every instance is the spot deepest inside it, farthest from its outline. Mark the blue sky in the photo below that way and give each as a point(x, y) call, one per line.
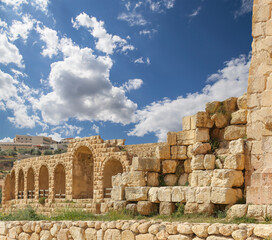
point(118, 68)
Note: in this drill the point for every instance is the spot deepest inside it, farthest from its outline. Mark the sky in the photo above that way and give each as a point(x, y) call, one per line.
point(121, 69)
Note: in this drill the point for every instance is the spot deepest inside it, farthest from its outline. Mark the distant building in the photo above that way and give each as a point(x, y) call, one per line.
point(34, 140)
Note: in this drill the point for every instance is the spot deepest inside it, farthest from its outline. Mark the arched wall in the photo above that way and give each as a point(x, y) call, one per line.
point(59, 181)
point(12, 185)
point(43, 181)
point(30, 183)
point(110, 168)
point(7, 188)
point(21, 184)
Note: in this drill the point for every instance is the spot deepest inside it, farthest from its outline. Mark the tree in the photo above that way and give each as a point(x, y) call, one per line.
point(47, 152)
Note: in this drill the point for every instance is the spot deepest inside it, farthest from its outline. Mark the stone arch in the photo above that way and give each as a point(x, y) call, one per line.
point(30, 183)
point(110, 168)
point(21, 184)
point(7, 188)
point(83, 172)
point(43, 182)
point(59, 181)
point(12, 185)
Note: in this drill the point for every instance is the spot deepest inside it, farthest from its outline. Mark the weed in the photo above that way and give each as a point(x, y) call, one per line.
point(267, 218)
point(42, 200)
point(214, 144)
point(161, 180)
point(180, 210)
point(244, 220)
point(27, 214)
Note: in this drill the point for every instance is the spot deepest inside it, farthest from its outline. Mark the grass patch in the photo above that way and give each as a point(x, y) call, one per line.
point(27, 214)
point(72, 214)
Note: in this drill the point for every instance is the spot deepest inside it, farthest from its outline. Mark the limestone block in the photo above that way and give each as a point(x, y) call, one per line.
point(192, 207)
point(119, 205)
point(179, 152)
point(236, 162)
point(170, 179)
point(220, 195)
point(127, 235)
point(227, 178)
point(163, 152)
point(203, 194)
point(209, 161)
point(197, 162)
point(147, 236)
point(179, 194)
point(152, 179)
point(200, 230)
point(131, 179)
point(36, 236)
point(54, 230)
point(154, 228)
point(118, 193)
point(203, 120)
point(136, 193)
point(169, 166)
point(227, 229)
point(236, 146)
point(202, 135)
point(185, 228)
point(171, 138)
point(242, 102)
point(25, 236)
point(162, 234)
point(201, 148)
point(153, 194)
point(217, 238)
point(239, 117)
point(145, 207)
point(146, 164)
point(187, 166)
point(230, 104)
point(234, 132)
point(212, 107)
point(237, 211)
point(3, 228)
point(190, 195)
point(183, 179)
point(167, 208)
point(257, 211)
point(239, 234)
point(185, 137)
point(213, 229)
point(186, 123)
point(90, 233)
point(143, 227)
point(179, 237)
point(164, 194)
point(201, 178)
point(220, 119)
point(112, 234)
point(263, 231)
point(132, 207)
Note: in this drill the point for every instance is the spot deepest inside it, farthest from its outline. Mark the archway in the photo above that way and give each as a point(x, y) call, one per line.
point(83, 173)
point(59, 181)
point(43, 182)
point(21, 184)
point(7, 188)
point(30, 184)
point(12, 185)
point(111, 168)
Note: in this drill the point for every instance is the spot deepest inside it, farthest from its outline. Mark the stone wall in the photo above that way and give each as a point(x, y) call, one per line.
point(132, 230)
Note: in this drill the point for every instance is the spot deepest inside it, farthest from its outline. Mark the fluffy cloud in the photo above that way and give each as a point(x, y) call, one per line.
point(81, 89)
point(159, 5)
point(133, 18)
point(67, 129)
point(163, 116)
point(132, 84)
point(40, 5)
point(9, 53)
point(6, 139)
point(14, 3)
point(195, 12)
point(246, 7)
point(105, 42)
point(95, 128)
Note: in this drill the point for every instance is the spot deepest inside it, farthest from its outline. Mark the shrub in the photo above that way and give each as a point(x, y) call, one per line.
point(35, 151)
point(180, 210)
point(47, 152)
point(42, 200)
point(27, 214)
point(214, 144)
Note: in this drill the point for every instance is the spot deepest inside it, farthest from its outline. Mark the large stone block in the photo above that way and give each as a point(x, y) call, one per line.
point(147, 164)
point(220, 119)
point(170, 179)
point(152, 179)
point(179, 152)
point(242, 102)
point(153, 194)
point(234, 132)
point(209, 161)
point(145, 207)
point(186, 123)
point(220, 195)
point(236, 146)
point(171, 138)
point(169, 166)
point(201, 148)
point(112, 234)
point(237, 211)
point(118, 193)
point(136, 193)
point(183, 179)
point(203, 195)
point(201, 178)
point(236, 162)
point(197, 162)
point(185, 137)
point(179, 194)
point(212, 107)
point(163, 152)
point(130, 179)
point(167, 208)
point(227, 178)
point(164, 194)
point(239, 117)
point(230, 104)
point(203, 120)
point(202, 135)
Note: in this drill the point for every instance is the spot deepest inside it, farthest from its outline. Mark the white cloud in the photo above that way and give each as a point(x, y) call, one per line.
point(21, 29)
point(195, 12)
point(40, 5)
point(3, 24)
point(9, 53)
point(67, 129)
point(18, 74)
point(147, 32)
point(6, 139)
point(81, 89)
point(139, 60)
point(132, 84)
point(163, 116)
point(14, 3)
point(50, 37)
point(54, 135)
point(246, 7)
point(105, 42)
point(159, 5)
point(95, 128)
point(133, 18)
point(148, 61)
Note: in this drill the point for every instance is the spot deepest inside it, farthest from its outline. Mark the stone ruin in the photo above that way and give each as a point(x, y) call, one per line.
point(221, 159)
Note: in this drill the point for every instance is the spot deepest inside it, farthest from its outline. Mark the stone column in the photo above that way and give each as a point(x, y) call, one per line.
point(259, 129)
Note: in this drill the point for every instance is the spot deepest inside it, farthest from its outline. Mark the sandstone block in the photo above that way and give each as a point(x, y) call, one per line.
point(112, 234)
point(153, 194)
point(197, 162)
point(167, 208)
point(263, 231)
point(185, 228)
point(203, 194)
point(171, 138)
point(118, 193)
point(169, 166)
point(236, 162)
point(179, 194)
point(239, 234)
point(236, 146)
point(220, 119)
point(227, 178)
point(187, 166)
point(185, 137)
point(146, 164)
point(145, 207)
point(164, 194)
point(203, 120)
point(179, 152)
point(257, 211)
point(132, 207)
point(170, 179)
point(136, 193)
point(119, 205)
point(154, 229)
point(212, 107)
point(230, 104)
point(200, 230)
point(183, 179)
point(90, 233)
point(201, 178)
point(127, 235)
point(237, 211)
point(202, 135)
point(234, 132)
point(3, 228)
point(242, 102)
point(147, 236)
point(143, 227)
point(201, 148)
point(152, 179)
point(186, 123)
point(239, 117)
point(163, 152)
point(209, 161)
point(220, 195)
